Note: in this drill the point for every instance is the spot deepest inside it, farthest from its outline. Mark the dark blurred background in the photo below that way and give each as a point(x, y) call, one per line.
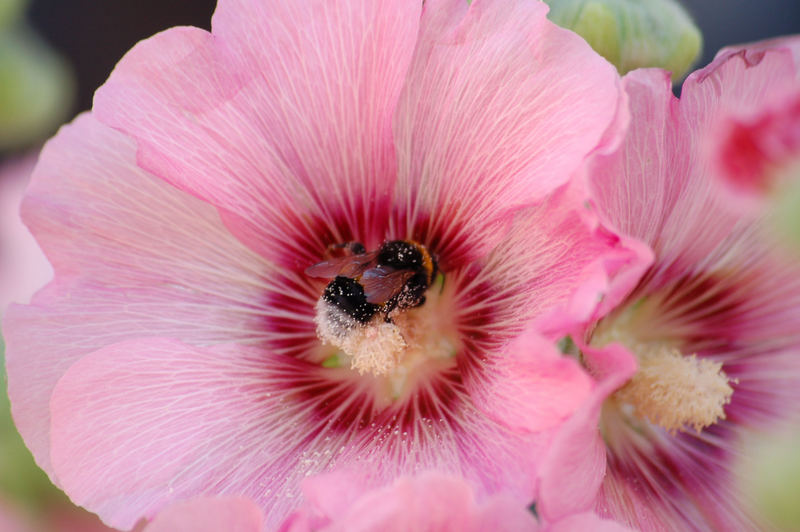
point(725, 22)
point(94, 34)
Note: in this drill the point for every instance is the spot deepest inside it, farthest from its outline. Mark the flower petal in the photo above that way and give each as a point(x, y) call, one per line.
point(532, 386)
point(331, 494)
point(430, 500)
point(755, 153)
point(281, 117)
point(673, 211)
point(133, 256)
point(573, 468)
point(555, 267)
point(752, 51)
point(587, 521)
point(23, 266)
point(13, 520)
point(611, 178)
point(209, 514)
point(500, 108)
point(604, 269)
point(138, 424)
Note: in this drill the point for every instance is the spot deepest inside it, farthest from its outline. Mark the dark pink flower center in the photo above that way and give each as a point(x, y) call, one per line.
point(452, 333)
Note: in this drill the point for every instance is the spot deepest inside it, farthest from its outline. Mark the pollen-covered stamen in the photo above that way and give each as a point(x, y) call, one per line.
point(375, 347)
point(670, 389)
point(676, 391)
point(403, 348)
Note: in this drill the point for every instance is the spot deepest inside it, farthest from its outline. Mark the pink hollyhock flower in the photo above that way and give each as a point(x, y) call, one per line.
point(183, 350)
point(706, 348)
point(23, 266)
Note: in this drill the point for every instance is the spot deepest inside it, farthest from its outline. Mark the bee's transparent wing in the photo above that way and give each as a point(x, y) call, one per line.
point(381, 284)
point(351, 266)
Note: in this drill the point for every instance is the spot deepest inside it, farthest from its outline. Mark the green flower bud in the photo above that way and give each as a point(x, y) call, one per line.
point(11, 11)
point(633, 33)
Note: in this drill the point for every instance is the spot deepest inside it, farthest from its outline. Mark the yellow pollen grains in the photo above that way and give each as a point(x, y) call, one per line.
point(670, 389)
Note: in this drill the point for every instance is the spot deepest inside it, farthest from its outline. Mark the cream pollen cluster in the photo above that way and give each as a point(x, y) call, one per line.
point(672, 389)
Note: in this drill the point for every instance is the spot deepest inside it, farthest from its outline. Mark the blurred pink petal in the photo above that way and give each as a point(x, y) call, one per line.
point(428, 501)
point(13, 519)
point(753, 149)
point(23, 266)
point(47, 514)
point(587, 521)
point(208, 514)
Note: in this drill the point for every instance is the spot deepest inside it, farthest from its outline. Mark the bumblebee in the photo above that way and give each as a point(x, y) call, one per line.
point(366, 284)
